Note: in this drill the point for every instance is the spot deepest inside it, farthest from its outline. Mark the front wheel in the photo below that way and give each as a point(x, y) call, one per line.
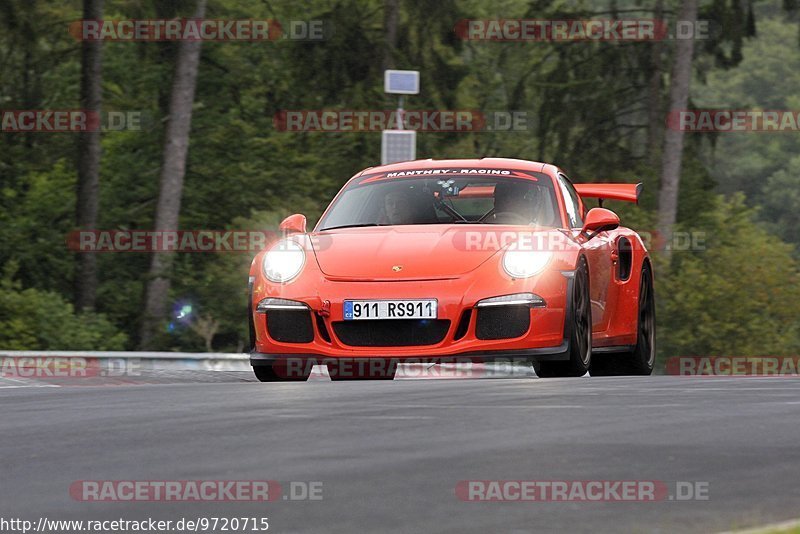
point(580, 339)
point(279, 373)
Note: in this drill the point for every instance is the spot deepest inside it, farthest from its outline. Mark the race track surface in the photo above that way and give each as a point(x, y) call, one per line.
point(390, 454)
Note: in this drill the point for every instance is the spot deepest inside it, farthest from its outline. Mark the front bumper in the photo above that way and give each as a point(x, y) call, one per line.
point(561, 352)
point(546, 337)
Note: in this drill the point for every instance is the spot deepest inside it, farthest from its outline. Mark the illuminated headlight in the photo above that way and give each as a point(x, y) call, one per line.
point(525, 263)
point(284, 261)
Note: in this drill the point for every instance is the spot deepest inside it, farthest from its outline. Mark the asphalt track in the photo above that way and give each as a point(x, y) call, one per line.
point(389, 454)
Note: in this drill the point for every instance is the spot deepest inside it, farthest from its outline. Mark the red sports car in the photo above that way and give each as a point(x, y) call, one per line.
point(439, 261)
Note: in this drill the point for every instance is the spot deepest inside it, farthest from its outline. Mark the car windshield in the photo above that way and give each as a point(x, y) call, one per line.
point(450, 199)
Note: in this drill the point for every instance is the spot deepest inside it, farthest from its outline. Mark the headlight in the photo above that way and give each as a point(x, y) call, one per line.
point(284, 261)
point(525, 263)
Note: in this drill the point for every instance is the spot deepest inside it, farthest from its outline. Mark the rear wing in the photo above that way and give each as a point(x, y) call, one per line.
point(626, 192)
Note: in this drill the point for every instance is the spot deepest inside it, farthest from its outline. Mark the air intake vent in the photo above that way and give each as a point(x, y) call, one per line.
point(502, 322)
point(323, 330)
point(625, 261)
point(290, 326)
point(463, 325)
point(391, 332)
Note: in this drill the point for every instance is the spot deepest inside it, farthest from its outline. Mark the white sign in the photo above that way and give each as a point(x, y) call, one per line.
point(401, 82)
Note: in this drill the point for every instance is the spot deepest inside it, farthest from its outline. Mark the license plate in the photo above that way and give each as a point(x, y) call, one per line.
point(389, 309)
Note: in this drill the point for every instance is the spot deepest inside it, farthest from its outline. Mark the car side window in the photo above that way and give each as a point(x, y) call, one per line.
point(571, 201)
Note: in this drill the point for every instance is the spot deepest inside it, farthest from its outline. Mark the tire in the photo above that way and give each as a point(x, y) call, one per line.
point(580, 341)
point(268, 373)
point(640, 361)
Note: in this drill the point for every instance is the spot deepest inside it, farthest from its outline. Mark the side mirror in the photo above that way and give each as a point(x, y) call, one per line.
point(599, 220)
point(294, 224)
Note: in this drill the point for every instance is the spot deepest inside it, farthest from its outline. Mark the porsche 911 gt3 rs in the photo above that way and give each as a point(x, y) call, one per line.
point(473, 260)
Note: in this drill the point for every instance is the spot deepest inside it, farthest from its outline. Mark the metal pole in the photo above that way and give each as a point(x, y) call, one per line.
point(400, 112)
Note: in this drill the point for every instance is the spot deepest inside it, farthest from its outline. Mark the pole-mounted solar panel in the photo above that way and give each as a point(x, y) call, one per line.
point(399, 144)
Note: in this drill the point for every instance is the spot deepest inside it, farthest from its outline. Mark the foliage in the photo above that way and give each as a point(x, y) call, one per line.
point(738, 296)
point(586, 107)
point(756, 163)
point(32, 319)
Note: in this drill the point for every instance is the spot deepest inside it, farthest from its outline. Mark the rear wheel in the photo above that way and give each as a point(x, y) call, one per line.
point(640, 361)
point(580, 342)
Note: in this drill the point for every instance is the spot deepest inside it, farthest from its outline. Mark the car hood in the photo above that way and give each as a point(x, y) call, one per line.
point(424, 252)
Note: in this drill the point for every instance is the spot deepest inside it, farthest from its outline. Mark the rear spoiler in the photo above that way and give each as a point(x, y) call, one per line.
point(626, 192)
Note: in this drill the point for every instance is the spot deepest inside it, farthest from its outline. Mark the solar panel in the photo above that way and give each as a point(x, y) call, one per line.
point(401, 82)
point(398, 145)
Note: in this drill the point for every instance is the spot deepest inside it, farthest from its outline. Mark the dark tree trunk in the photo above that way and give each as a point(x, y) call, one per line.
point(89, 159)
point(173, 170)
point(673, 138)
point(655, 116)
point(391, 14)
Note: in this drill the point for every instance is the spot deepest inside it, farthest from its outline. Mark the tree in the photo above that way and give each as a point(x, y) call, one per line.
point(173, 170)
point(781, 199)
point(654, 111)
point(89, 158)
point(32, 319)
point(737, 296)
point(391, 12)
point(765, 79)
point(673, 138)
